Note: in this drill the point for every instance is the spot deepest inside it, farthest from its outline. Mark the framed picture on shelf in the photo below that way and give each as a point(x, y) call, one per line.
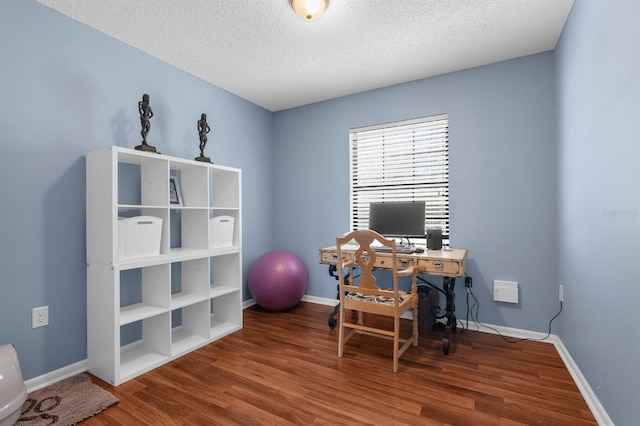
point(175, 196)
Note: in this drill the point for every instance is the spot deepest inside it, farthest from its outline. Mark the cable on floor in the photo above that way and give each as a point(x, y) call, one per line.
point(476, 320)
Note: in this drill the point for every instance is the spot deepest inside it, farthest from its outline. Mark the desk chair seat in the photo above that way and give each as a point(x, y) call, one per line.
point(362, 294)
point(377, 298)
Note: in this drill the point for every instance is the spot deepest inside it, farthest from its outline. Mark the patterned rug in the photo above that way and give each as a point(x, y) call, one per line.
point(65, 403)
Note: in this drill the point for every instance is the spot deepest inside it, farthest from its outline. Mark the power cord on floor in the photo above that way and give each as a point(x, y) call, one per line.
point(476, 320)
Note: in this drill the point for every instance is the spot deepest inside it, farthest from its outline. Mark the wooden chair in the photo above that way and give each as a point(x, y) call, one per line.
point(362, 293)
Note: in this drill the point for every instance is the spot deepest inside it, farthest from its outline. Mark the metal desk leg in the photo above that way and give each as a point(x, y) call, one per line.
point(332, 320)
point(333, 269)
point(449, 284)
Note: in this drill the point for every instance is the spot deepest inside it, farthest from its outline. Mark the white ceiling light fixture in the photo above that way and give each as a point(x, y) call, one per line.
point(309, 10)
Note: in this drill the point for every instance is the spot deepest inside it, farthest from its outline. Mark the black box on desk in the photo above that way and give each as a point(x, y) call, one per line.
point(434, 238)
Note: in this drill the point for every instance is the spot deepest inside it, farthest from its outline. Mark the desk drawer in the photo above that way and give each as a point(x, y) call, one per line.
point(382, 261)
point(331, 258)
point(440, 267)
point(404, 263)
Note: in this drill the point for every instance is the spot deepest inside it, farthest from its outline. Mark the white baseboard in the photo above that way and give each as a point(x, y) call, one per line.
point(590, 397)
point(248, 303)
point(56, 376)
point(515, 333)
point(320, 300)
point(306, 298)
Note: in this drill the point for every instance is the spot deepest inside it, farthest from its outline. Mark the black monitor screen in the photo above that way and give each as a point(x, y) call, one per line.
point(398, 219)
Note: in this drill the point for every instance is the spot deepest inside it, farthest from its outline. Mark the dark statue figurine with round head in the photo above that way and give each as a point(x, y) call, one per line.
point(145, 122)
point(203, 129)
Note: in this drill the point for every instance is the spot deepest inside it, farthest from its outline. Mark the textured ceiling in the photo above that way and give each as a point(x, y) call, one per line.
point(261, 51)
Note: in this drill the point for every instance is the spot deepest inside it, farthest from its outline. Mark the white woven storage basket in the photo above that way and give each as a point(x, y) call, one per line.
point(139, 236)
point(221, 231)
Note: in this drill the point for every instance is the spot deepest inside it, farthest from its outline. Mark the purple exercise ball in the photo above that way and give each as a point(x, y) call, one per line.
point(277, 280)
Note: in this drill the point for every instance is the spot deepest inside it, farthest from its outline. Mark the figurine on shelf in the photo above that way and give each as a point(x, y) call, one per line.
point(203, 129)
point(145, 116)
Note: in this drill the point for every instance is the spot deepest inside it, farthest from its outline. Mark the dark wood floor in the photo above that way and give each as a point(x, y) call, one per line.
point(282, 368)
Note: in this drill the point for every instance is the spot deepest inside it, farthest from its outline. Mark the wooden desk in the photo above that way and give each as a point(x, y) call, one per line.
point(449, 264)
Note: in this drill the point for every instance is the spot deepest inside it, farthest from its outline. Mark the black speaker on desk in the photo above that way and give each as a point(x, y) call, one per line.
point(434, 239)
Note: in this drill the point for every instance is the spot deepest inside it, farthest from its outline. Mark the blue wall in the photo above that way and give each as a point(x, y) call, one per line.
point(545, 183)
point(66, 90)
point(502, 167)
point(598, 59)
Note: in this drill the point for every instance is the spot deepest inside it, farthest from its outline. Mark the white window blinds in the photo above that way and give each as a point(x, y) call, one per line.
point(402, 161)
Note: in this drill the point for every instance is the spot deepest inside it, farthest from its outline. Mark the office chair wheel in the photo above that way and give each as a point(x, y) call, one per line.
point(446, 345)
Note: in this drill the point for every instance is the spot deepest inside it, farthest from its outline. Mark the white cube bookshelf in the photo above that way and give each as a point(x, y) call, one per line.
point(145, 311)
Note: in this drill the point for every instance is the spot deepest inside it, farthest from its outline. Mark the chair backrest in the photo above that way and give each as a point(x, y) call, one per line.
point(365, 257)
point(365, 296)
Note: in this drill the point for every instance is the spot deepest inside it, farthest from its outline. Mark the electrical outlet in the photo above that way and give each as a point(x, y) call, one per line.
point(561, 293)
point(40, 317)
point(468, 282)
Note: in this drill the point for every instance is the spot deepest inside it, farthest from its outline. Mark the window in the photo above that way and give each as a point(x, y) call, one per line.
point(402, 161)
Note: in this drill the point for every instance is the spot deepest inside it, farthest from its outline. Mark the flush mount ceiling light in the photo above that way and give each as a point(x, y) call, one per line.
point(309, 10)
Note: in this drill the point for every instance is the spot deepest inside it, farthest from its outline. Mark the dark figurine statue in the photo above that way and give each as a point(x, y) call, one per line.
point(145, 121)
point(203, 129)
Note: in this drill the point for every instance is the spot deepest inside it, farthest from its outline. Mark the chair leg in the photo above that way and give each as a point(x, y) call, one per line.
point(341, 333)
point(415, 326)
point(396, 342)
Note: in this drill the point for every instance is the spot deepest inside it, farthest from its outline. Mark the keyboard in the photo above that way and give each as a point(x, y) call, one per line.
point(399, 250)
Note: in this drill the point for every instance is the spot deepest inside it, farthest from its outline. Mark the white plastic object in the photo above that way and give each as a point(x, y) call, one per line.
point(13, 391)
point(221, 231)
point(139, 236)
point(505, 291)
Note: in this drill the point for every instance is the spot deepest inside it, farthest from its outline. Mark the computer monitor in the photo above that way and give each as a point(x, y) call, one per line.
point(398, 219)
